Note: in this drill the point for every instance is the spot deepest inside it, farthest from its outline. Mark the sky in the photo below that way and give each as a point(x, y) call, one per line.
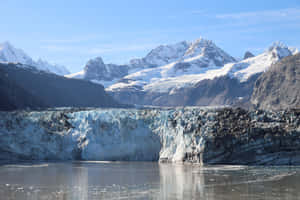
point(70, 32)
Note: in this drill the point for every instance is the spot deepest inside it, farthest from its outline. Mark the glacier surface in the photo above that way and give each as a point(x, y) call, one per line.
point(202, 135)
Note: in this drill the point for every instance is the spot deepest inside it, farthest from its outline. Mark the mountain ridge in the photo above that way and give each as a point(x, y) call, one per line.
point(279, 87)
point(202, 53)
point(29, 88)
point(10, 54)
point(169, 73)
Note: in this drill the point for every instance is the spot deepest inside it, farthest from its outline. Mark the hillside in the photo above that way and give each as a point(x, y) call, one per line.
point(26, 87)
point(279, 87)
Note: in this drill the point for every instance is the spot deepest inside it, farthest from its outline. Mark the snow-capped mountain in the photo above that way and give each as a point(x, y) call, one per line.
point(107, 74)
point(161, 55)
point(162, 62)
point(181, 51)
point(54, 68)
point(8, 53)
point(244, 69)
point(200, 57)
point(170, 84)
point(170, 72)
point(194, 69)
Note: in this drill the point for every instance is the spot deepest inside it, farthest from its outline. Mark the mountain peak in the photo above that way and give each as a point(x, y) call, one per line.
point(5, 45)
point(277, 45)
point(279, 49)
point(161, 55)
point(8, 53)
point(95, 62)
point(54, 68)
point(95, 68)
point(198, 46)
point(248, 54)
point(294, 50)
point(202, 41)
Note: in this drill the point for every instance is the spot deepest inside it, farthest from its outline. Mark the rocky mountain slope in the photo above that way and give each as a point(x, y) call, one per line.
point(200, 51)
point(248, 54)
point(105, 74)
point(229, 84)
point(24, 87)
point(10, 54)
point(206, 136)
point(279, 87)
point(197, 73)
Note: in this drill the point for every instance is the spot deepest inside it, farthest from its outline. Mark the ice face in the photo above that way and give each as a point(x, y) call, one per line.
point(210, 135)
point(133, 134)
point(114, 134)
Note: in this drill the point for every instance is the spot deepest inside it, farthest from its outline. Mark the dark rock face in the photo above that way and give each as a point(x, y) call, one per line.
point(248, 54)
point(30, 88)
point(257, 137)
point(95, 69)
point(213, 55)
point(279, 87)
point(237, 136)
point(13, 96)
point(219, 91)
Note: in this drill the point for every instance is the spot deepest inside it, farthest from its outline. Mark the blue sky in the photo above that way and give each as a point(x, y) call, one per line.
point(71, 32)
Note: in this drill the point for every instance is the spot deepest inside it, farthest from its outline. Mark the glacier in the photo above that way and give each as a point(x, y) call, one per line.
point(191, 134)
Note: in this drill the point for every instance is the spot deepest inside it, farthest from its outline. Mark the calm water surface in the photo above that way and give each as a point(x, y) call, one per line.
point(138, 180)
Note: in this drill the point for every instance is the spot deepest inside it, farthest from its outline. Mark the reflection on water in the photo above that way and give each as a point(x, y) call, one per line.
point(138, 180)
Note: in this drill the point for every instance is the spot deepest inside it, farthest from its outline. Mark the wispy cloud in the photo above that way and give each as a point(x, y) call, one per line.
point(281, 14)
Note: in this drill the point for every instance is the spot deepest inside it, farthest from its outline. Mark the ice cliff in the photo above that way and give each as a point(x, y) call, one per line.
point(201, 135)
